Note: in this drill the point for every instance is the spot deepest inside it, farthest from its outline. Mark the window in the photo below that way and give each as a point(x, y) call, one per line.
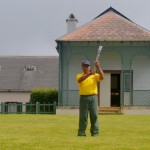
point(30, 68)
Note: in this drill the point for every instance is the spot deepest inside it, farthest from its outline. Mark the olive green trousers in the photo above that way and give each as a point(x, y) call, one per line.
point(88, 105)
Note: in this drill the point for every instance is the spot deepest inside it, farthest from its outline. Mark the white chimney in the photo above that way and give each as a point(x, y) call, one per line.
point(71, 23)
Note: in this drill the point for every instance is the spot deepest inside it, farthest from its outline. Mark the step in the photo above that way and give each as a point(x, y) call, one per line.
point(109, 110)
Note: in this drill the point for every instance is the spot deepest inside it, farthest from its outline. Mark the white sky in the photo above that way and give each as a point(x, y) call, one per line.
point(30, 27)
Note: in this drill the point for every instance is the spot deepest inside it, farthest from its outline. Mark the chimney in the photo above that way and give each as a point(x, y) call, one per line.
point(71, 23)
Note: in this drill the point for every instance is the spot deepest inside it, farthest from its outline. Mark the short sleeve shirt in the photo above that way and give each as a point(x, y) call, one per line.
point(89, 85)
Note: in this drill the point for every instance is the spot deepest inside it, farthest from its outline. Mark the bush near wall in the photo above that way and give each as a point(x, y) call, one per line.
point(44, 95)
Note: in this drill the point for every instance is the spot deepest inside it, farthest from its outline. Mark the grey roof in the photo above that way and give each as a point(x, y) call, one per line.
point(14, 76)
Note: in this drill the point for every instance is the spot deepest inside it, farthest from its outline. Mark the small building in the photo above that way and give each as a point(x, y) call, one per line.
point(125, 59)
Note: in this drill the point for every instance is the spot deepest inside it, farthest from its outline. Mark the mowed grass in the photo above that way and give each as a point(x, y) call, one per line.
point(59, 132)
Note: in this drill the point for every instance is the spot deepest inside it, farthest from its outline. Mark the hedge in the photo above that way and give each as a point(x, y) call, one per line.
point(44, 95)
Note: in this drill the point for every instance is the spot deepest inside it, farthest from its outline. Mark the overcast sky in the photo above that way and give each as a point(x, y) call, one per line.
point(30, 27)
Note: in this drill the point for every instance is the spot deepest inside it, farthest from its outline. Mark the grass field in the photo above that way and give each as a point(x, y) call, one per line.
point(59, 132)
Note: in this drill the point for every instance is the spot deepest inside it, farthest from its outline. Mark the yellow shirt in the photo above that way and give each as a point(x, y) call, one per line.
point(89, 85)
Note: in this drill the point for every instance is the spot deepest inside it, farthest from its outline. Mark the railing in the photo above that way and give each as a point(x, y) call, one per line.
point(141, 98)
point(27, 108)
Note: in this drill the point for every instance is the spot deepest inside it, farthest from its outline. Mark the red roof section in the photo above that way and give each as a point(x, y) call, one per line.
point(108, 26)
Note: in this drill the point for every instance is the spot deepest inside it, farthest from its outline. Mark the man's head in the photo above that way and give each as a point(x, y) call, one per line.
point(86, 66)
point(86, 62)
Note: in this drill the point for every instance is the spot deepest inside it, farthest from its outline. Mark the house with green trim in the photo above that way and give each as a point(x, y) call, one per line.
point(125, 59)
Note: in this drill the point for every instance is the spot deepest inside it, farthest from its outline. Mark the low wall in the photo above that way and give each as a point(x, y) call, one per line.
point(136, 110)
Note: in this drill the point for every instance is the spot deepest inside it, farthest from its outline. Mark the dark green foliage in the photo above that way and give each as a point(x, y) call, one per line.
point(44, 96)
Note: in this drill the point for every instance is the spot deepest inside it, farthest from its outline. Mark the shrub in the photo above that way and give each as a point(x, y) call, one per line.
point(44, 95)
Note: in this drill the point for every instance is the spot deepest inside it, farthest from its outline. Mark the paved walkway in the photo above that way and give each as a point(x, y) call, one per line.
point(137, 112)
point(75, 110)
point(67, 110)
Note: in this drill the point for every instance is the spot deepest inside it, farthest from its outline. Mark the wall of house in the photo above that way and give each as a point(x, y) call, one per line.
point(141, 72)
point(71, 60)
point(14, 97)
point(141, 80)
point(105, 91)
point(110, 60)
point(127, 58)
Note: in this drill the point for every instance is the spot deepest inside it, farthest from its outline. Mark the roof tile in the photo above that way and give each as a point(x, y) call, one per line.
point(110, 26)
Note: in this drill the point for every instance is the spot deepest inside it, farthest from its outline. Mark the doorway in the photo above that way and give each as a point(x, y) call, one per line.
point(115, 90)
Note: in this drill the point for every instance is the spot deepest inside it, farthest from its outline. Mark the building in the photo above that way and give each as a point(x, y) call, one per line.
point(20, 74)
point(125, 59)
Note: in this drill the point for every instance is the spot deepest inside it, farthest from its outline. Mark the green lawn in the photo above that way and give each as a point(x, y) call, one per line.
point(59, 132)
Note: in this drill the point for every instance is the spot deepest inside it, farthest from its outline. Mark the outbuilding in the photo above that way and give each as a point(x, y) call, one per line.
point(125, 59)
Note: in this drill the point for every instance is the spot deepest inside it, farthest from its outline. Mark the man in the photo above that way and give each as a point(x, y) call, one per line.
point(87, 83)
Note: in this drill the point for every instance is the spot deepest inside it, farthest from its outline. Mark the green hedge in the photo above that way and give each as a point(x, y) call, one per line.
point(44, 95)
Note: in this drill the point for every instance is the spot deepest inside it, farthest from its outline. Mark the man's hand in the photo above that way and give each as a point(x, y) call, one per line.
point(97, 64)
point(100, 71)
point(92, 72)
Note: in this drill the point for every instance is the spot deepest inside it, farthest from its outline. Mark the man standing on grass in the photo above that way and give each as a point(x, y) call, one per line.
point(87, 83)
